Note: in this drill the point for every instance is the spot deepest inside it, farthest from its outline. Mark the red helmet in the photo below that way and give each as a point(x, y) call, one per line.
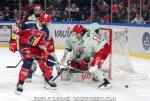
point(45, 17)
point(37, 7)
point(78, 28)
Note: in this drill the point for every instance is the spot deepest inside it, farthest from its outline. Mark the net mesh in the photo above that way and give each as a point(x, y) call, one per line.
point(118, 64)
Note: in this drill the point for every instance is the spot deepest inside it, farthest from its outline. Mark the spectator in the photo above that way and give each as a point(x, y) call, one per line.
point(15, 15)
point(1, 15)
point(73, 8)
point(106, 18)
point(7, 13)
point(74, 12)
point(138, 19)
point(115, 13)
point(101, 5)
point(101, 8)
point(64, 16)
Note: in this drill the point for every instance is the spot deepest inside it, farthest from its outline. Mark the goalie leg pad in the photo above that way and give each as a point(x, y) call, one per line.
point(66, 75)
point(80, 77)
point(101, 56)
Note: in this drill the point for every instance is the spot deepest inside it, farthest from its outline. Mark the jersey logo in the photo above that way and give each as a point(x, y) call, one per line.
point(31, 40)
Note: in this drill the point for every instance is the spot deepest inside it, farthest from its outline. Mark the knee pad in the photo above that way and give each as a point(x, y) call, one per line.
point(27, 64)
point(49, 63)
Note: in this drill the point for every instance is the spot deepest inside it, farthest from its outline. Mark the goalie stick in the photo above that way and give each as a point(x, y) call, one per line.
point(39, 57)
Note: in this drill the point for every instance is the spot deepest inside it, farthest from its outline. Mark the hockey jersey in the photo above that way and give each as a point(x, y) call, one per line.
point(86, 47)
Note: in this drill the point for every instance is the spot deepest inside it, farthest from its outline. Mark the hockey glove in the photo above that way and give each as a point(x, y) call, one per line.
point(16, 30)
point(84, 64)
point(13, 46)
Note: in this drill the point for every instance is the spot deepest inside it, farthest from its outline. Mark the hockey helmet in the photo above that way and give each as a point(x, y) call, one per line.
point(45, 17)
point(78, 28)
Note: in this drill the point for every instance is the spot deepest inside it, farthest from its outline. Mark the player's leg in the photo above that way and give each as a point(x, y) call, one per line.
point(37, 52)
point(96, 64)
point(27, 63)
point(31, 71)
point(47, 69)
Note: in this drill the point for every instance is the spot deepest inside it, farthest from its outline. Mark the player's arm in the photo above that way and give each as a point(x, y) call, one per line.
point(51, 50)
point(68, 48)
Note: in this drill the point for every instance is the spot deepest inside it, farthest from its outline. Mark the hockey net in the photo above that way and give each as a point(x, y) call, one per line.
point(118, 64)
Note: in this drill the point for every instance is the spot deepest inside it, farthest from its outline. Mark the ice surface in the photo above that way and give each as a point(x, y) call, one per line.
point(138, 90)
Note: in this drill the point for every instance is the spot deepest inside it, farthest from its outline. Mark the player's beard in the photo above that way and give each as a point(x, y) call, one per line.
point(37, 15)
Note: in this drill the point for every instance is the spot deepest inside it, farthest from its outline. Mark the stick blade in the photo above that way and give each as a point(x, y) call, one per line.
point(11, 67)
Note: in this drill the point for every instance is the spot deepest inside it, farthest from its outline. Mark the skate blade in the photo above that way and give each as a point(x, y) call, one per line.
point(107, 87)
point(18, 92)
point(49, 87)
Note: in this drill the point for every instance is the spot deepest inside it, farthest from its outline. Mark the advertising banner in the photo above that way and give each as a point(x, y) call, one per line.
point(5, 33)
point(138, 36)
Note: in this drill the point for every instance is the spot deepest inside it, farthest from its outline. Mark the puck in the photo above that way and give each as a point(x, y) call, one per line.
point(126, 86)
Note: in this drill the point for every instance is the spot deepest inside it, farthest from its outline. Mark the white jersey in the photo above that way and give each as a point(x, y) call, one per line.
point(79, 48)
point(93, 42)
point(32, 17)
point(88, 45)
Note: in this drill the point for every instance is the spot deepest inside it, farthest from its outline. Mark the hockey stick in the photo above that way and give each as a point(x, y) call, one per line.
point(39, 57)
point(16, 64)
point(68, 66)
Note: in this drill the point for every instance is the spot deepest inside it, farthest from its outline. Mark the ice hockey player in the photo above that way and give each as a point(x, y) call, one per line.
point(33, 42)
point(80, 58)
point(101, 46)
point(41, 24)
point(95, 46)
point(44, 68)
point(30, 21)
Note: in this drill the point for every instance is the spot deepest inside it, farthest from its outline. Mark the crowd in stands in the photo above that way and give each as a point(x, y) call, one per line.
point(124, 11)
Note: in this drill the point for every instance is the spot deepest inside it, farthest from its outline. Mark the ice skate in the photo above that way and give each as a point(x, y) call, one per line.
point(105, 85)
point(19, 89)
point(50, 84)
